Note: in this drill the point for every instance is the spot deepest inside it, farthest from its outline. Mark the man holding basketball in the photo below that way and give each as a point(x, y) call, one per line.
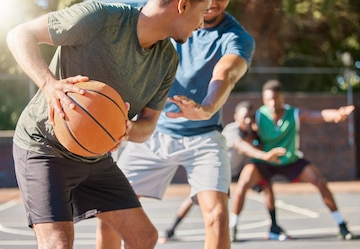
point(127, 48)
point(188, 133)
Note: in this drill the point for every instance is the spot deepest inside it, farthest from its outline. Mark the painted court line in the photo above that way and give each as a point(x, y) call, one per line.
point(281, 204)
point(296, 209)
point(16, 231)
point(7, 205)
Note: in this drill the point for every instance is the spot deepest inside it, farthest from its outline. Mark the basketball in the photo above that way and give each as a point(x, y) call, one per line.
point(97, 122)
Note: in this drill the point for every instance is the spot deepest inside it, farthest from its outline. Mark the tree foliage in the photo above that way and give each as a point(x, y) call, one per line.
point(306, 33)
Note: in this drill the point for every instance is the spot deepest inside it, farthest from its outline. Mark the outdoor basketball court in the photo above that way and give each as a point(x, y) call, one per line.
point(300, 211)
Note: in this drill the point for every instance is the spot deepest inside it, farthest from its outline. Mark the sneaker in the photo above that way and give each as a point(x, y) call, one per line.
point(233, 232)
point(169, 233)
point(277, 233)
point(344, 233)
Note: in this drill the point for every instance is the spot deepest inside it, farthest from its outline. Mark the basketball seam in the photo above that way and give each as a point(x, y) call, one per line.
point(75, 139)
point(93, 118)
point(90, 90)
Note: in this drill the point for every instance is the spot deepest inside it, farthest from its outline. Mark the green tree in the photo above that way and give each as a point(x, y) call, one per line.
point(16, 88)
point(306, 33)
point(14, 92)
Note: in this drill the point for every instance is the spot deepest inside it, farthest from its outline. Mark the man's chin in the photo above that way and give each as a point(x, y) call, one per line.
point(180, 41)
point(211, 20)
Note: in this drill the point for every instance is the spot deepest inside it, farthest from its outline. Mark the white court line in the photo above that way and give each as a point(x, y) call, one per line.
point(253, 225)
point(295, 209)
point(309, 231)
point(33, 242)
point(281, 204)
point(192, 232)
point(17, 242)
point(7, 205)
point(198, 234)
point(31, 232)
point(16, 231)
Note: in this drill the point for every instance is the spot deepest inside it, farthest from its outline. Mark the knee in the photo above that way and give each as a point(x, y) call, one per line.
point(149, 237)
point(243, 184)
point(145, 239)
point(218, 217)
point(320, 183)
point(54, 235)
point(248, 176)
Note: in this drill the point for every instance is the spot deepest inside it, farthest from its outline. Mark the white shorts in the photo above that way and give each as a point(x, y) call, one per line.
point(151, 166)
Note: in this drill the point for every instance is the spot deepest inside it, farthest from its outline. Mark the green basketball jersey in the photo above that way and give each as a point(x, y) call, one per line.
point(284, 133)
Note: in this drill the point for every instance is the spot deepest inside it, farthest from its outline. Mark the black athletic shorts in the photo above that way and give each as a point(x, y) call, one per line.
point(290, 171)
point(60, 189)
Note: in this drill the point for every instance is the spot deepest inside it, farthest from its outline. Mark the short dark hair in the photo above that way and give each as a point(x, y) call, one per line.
point(165, 2)
point(273, 85)
point(244, 104)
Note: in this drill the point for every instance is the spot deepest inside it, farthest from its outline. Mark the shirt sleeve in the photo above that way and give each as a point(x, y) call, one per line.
point(242, 44)
point(77, 24)
point(159, 100)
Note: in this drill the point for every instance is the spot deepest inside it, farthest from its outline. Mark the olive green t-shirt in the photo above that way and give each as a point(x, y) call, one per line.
point(99, 40)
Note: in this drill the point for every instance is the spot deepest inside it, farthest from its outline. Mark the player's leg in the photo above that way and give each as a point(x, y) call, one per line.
point(55, 235)
point(149, 174)
point(267, 172)
point(313, 175)
point(132, 226)
point(182, 211)
point(214, 208)
point(209, 173)
point(111, 239)
point(276, 232)
point(269, 196)
point(51, 179)
point(106, 236)
point(112, 191)
point(248, 178)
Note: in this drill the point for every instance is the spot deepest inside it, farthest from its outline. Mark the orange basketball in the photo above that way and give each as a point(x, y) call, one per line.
point(96, 124)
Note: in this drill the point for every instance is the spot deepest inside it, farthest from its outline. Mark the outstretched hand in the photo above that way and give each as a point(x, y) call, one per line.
point(343, 113)
point(189, 109)
point(274, 154)
point(55, 94)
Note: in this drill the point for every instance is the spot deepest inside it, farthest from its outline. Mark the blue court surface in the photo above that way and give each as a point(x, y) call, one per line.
point(300, 212)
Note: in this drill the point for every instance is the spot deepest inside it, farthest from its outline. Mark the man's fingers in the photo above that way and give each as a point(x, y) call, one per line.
point(173, 114)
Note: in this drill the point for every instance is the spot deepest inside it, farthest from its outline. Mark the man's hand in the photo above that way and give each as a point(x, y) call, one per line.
point(274, 154)
point(189, 109)
point(55, 94)
point(343, 113)
point(125, 137)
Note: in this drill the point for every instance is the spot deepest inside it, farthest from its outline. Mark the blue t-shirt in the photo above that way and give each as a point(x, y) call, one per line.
point(198, 57)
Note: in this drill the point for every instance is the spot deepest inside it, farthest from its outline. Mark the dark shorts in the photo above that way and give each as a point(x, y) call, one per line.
point(290, 171)
point(60, 189)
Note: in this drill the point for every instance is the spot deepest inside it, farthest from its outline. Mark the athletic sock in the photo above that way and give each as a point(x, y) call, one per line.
point(233, 219)
point(337, 217)
point(177, 221)
point(272, 213)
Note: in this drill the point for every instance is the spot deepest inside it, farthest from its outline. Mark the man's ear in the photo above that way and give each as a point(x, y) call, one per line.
point(183, 6)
